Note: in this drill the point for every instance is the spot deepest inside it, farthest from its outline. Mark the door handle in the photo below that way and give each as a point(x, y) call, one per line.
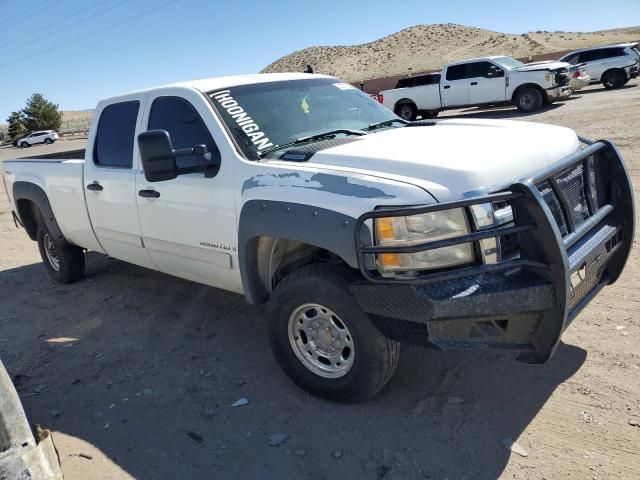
point(474, 83)
point(94, 187)
point(446, 87)
point(149, 193)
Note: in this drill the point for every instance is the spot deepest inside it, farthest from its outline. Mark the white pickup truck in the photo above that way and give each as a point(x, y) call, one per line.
point(482, 81)
point(358, 229)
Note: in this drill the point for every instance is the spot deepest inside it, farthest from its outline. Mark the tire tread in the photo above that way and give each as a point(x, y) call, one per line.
point(389, 349)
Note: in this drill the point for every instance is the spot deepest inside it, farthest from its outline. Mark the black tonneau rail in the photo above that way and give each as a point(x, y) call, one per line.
point(66, 155)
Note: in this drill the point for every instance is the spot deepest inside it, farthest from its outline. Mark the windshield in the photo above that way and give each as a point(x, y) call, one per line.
point(508, 62)
point(264, 115)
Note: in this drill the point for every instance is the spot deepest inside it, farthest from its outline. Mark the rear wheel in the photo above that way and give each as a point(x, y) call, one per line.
point(48, 141)
point(324, 341)
point(528, 100)
point(429, 114)
point(64, 262)
point(613, 79)
point(407, 111)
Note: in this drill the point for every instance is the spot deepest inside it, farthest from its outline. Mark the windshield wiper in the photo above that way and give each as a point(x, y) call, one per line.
point(386, 123)
point(310, 138)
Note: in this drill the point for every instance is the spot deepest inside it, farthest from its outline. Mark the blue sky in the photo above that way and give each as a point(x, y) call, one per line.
point(76, 52)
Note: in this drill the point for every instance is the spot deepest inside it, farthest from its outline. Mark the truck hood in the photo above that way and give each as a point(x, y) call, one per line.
point(543, 66)
point(453, 158)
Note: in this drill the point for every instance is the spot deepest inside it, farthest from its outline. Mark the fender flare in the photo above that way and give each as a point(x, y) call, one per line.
point(34, 193)
point(320, 227)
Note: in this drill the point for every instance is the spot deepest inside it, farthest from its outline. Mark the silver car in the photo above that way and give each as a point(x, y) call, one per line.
point(613, 65)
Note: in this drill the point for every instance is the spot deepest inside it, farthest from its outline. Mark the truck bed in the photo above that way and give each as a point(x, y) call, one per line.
point(60, 176)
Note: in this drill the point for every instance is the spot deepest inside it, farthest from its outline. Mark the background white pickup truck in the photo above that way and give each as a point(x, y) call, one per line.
point(482, 81)
point(358, 229)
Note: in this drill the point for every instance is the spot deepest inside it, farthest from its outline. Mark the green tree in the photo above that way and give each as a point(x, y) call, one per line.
point(41, 114)
point(17, 128)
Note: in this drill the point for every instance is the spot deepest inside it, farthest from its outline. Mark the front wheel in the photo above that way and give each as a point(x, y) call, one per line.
point(528, 100)
point(324, 341)
point(24, 145)
point(64, 262)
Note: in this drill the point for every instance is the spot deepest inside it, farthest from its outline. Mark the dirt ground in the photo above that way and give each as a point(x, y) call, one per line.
point(135, 372)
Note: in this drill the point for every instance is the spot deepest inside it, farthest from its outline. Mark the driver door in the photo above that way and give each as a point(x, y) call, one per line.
point(486, 83)
point(455, 88)
point(189, 223)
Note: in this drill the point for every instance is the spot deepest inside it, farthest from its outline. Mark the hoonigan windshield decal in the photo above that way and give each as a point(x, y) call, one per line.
point(248, 125)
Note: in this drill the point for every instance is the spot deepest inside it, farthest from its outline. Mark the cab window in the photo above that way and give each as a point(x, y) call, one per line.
point(113, 146)
point(185, 126)
point(572, 59)
point(456, 72)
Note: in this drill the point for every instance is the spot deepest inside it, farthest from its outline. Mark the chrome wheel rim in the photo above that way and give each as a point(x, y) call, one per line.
point(50, 251)
point(321, 341)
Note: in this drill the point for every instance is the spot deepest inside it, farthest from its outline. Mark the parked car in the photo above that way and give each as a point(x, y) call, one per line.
point(482, 81)
point(579, 75)
point(613, 65)
point(357, 229)
point(41, 136)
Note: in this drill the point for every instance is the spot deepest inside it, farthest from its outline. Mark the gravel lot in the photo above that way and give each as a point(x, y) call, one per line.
point(135, 372)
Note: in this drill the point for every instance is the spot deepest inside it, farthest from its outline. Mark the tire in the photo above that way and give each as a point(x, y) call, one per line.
point(528, 100)
point(406, 111)
point(64, 262)
point(429, 114)
point(24, 145)
point(366, 360)
point(48, 141)
point(613, 79)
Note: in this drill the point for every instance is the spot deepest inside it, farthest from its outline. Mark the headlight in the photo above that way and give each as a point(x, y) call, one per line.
point(549, 77)
point(415, 229)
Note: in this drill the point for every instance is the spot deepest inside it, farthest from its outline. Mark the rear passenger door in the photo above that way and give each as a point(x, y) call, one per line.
point(455, 87)
point(109, 182)
point(596, 62)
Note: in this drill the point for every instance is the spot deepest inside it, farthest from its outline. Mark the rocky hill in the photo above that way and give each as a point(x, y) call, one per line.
point(425, 47)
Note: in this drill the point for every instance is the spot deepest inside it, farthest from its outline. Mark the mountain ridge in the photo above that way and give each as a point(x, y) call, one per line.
point(427, 47)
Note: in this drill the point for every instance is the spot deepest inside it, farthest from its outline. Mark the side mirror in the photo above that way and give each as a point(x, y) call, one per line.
point(157, 156)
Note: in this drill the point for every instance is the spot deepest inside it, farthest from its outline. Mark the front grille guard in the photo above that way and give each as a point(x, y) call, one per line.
point(544, 251)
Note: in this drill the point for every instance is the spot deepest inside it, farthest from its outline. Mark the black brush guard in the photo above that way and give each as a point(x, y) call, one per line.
point(570, 247)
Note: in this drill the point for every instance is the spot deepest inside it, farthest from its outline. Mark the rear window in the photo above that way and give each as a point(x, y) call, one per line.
point(602, 53)
point(116, 131)
point(456, 72)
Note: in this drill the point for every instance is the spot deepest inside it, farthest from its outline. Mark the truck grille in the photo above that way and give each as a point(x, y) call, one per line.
point(574, 194)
